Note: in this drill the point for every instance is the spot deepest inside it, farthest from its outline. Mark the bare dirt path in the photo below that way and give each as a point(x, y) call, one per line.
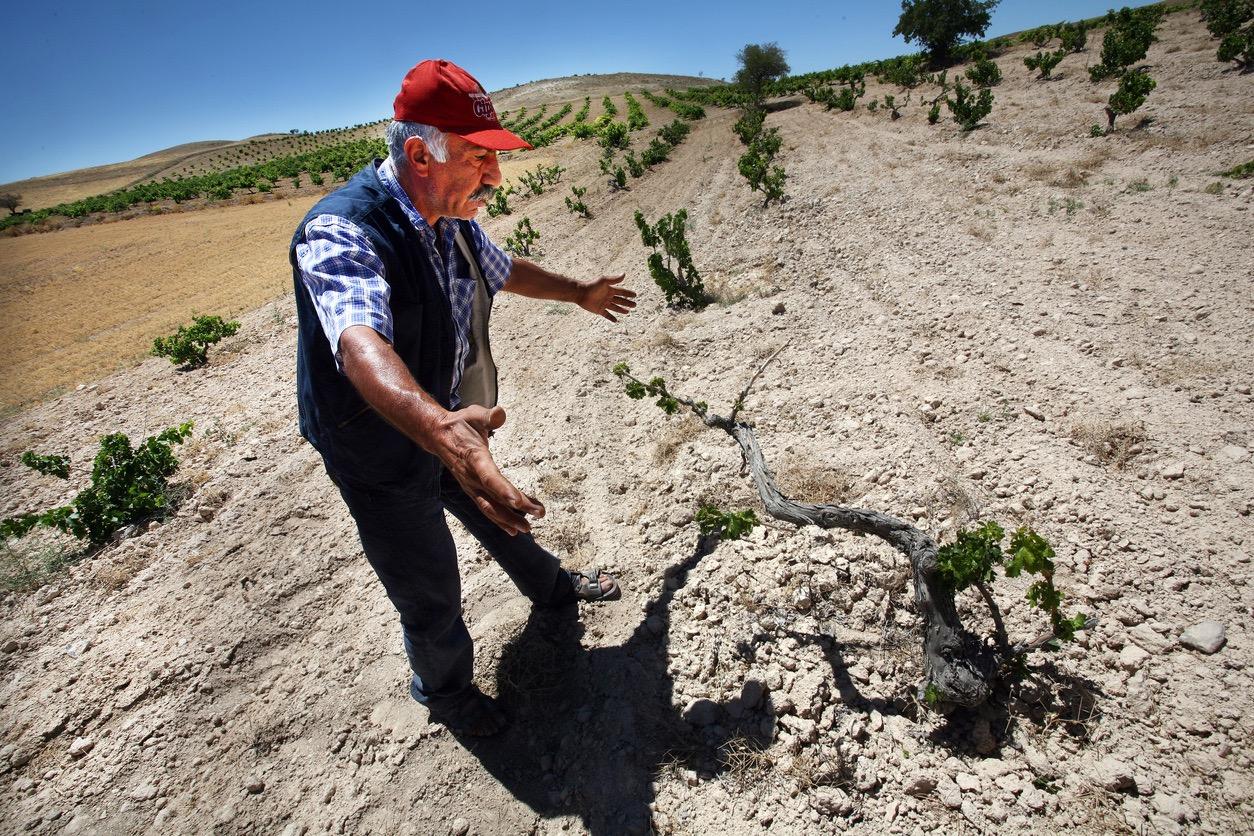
point(1023, 324)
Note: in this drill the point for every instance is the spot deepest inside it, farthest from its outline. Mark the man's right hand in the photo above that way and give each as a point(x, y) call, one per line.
point(458, 439)
point(461, 443)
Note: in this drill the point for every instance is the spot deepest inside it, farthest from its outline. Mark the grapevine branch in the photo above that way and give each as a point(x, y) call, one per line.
point(959, 668)
point(956, 664)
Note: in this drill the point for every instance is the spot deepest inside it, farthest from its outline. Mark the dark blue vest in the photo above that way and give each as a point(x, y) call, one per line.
point(359, 448)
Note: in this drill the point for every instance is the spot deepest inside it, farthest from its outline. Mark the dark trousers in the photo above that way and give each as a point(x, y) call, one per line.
point(409, 546)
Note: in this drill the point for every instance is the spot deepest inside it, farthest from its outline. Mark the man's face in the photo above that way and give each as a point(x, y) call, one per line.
point(464, 184)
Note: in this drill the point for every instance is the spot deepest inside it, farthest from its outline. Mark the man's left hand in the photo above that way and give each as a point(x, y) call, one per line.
point(606, 296)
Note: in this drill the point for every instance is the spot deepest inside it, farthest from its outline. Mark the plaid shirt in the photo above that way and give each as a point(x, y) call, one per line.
point(345, 278)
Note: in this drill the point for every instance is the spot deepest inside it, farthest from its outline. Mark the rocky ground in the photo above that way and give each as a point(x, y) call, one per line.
point(1023, 324)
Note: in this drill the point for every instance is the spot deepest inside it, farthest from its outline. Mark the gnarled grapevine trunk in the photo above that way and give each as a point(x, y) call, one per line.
point(957, 666)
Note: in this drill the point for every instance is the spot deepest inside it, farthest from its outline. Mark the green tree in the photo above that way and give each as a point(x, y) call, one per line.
point(938, 25)
point(760, 64)
point(10, 201)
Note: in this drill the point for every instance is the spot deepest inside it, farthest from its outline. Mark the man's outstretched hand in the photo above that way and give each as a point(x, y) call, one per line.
point(606, 296)
point(461, 443)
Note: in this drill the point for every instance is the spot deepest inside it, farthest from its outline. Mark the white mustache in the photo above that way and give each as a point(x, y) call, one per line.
point(484, 192)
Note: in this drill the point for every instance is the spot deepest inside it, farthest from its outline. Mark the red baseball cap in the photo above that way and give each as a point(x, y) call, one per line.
point(441, 94)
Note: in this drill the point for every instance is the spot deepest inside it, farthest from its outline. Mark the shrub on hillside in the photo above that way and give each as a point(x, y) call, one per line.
point(1232, 21)
point(189, 345)
point(967, 107)
point(984, 73)
point(1128, 38)
point(1044, 62)
point(1134, 88)
point(670, 263)
point(577, 205)
point(1073, 36)
point(520, 240)
point(1125, 44)
point(499, 204)
point(748, 125)
point(905, 71)
point(756, 166)
point(128, 485)
point(614, 135)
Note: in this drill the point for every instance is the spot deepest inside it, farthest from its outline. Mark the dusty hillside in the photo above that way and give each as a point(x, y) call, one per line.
point(204, 157)
point(84, 301)
point(38, 192)
point(574, 88)
point(1023, 324)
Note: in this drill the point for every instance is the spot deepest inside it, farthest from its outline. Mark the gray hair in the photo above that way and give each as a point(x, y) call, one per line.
point(432, 137)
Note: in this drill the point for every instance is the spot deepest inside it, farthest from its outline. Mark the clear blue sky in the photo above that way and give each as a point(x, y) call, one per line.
point(89, 83)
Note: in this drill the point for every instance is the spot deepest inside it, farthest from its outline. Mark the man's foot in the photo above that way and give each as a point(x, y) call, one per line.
point(474, 713)
point(595, 585)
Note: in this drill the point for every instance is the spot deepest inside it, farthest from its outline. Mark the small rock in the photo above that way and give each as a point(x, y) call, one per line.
point(866, 776)
point(1131, 658)
point(81, 746)
point(982, 736)
point(1112, 774)
point(1171, 807)
point(1206, 636)
point(751, 693)
point(701, 712)
point(146, 791)
point(949, 793)
point(1173, 470)
point(830, 802)
point(968, 782)
point(1034, 412)
point(920, 785)
point(460, 827)
point(255, 786)
point(1233, 454)
point(1150, 639)
point(778, 309)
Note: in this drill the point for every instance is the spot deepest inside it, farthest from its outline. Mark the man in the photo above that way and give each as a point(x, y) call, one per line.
point(395, 379)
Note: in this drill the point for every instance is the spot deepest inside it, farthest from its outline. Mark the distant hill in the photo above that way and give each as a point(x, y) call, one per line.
point(217, 155)
point(572, 87)
point(49, 190)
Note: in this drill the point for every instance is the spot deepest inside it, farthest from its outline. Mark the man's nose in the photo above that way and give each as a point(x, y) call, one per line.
point(492, 172)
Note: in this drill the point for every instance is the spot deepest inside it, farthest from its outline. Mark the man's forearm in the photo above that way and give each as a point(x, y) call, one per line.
point(384, 382)
point(529, 279)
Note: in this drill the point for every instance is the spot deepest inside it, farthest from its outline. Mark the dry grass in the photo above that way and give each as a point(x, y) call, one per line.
point(1115, 443)
point(745, 763)
point(558, 486)
point(28, 563)
point(818, 766)
point(677, 434)
point(980, 231)
point(118, 572)
point(802, 481)
point(1191, 369)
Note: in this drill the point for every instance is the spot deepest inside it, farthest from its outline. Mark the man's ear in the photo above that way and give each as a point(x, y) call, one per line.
point(418, 156)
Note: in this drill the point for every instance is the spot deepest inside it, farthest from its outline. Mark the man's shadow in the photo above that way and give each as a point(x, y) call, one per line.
point(592, 728)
